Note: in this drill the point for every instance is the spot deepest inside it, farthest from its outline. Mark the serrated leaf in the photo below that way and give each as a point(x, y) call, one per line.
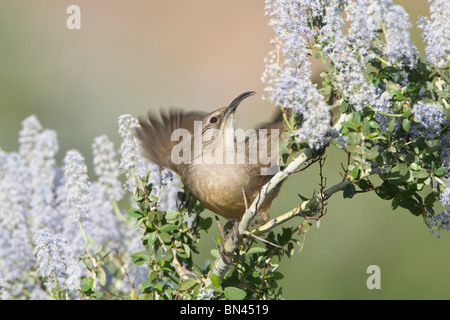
point(233, 293)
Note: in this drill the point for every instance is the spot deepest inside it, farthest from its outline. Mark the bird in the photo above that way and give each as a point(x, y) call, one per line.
point(202, 149)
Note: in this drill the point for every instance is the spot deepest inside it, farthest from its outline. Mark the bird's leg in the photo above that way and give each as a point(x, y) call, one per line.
point(234, 235)
point(264, 217)
point(220, 227)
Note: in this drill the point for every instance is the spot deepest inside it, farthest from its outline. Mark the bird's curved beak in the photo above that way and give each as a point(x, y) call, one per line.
point(235, 103)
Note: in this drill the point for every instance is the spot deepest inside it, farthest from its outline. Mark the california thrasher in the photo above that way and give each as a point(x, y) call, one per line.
point(221, 183)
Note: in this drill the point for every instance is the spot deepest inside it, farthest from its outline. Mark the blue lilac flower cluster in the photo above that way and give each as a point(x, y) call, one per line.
point(288, 72)
point(50, 214)
point(378, 36)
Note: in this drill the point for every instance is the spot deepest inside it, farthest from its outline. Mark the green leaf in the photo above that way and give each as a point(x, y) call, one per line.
point(159, 286)
point(391, 125)
point(364, 185)
point(171, 215)
point(393, 90)
point(440, 172)
point(187, 250)
point(400, 172)
point(135, 213)
point(305, 227)
point(146, 284)
point(165, 237)
point(152, 275)
point(406, 124)
point(412, 205)
point(215, 253)
point(348, 124)
point(86, 284)
point(355, 173)
point(214, 280)
point(187, 284)
point(132, 295)
point(150, 238)
point(206, 223)
point(414, 166)
point(374, 152)
point(140, 257)
point(387, 191)
point(430, 199)
point(275, 276)
point(421, 174)
point(233, 293)
point(101, 276)
point(354, 138)
point(168, 228)
point(349, 191)
point(256, 250)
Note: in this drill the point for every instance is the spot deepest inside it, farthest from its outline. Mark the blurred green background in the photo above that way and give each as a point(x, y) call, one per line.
point(131, 56)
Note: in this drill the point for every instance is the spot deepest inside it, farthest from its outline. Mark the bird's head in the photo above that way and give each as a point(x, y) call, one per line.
point(222, 121)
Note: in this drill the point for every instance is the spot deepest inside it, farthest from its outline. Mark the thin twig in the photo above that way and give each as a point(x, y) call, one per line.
point(109, 292)
point(125, 269)
point(220, 227)
point(264, 240)
point(262, 281)
point(178, 291)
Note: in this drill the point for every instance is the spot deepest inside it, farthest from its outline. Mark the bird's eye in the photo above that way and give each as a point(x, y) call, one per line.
point(213, 120)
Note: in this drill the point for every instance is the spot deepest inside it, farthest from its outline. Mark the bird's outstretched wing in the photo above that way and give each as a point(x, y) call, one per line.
point(155, 134)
